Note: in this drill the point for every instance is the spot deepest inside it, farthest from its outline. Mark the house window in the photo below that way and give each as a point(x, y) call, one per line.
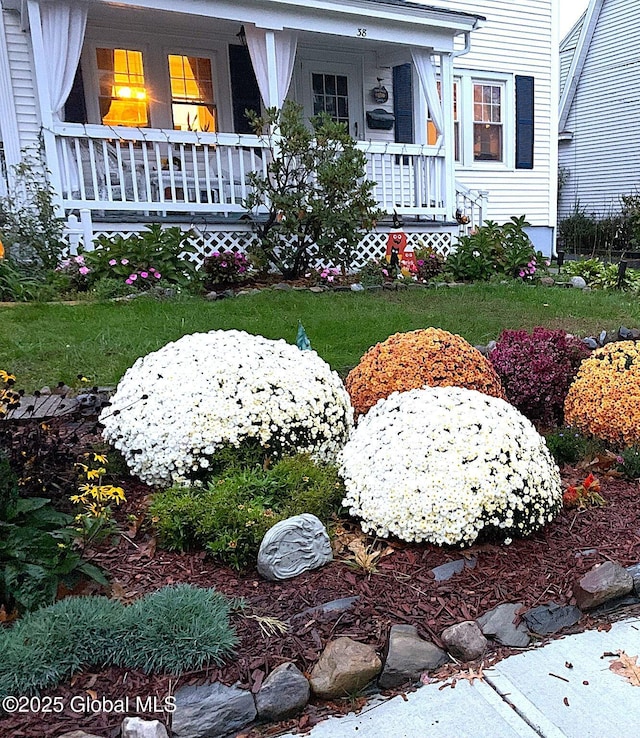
point(192, 102)
point(331, 96)
point(432, 134)
point(122, 93)
point(487, 122)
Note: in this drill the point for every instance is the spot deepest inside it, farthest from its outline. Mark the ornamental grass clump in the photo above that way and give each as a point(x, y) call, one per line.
point(604, 399)
point(430, 357)
point(177, 408)
point(537, 369)
point(446, 464)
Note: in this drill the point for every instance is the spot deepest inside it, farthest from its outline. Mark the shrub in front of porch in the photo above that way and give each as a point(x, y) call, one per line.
point(142, 260)
point(179, 407)
point(317, 200)
point(223, 268)
point(497, 250)
point(407, 361)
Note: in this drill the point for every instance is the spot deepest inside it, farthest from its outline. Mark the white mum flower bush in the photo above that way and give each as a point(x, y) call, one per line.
point(442, 464)
point(177, 408)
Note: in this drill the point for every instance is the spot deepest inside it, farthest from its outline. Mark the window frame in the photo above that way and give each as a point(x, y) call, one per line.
point(155, 63)
point(214, 81)
point(467, 79)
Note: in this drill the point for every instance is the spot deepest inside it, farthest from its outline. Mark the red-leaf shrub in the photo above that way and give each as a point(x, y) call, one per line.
point(537, 369)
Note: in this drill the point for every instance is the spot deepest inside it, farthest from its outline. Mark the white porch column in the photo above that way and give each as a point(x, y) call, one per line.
point(44, 100)
point(448, 133)
point(9, 130)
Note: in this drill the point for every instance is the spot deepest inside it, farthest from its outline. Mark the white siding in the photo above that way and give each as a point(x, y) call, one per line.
point(20, 60)
point(567, 50)
point(603, 158)
point(517, 39)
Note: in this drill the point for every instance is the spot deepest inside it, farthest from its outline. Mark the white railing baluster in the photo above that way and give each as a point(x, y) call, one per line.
point(124, 169)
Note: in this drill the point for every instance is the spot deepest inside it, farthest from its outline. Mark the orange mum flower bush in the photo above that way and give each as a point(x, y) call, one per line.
point(430, 357)
point(604, 399)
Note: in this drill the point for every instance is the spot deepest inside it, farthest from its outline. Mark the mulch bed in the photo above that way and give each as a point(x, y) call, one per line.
point(403, 590)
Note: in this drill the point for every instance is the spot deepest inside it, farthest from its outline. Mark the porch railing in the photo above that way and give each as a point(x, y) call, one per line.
point(164, 171)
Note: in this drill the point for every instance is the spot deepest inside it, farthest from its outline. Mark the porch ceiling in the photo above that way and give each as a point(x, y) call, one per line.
point(391, 21)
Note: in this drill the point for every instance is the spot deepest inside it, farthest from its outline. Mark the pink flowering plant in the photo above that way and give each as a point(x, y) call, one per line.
point(537, 369)
point(226, 268)
point(76, 272)
point(142, 260)
point(430, 263)
point(495, 250)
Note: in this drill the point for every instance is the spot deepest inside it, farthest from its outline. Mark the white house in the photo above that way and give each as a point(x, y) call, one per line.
point(598, 151)
point(139, 105)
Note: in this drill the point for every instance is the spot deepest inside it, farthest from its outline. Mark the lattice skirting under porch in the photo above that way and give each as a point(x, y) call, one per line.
point(238, 239)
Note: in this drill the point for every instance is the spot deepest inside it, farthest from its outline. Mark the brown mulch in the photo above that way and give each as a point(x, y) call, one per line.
point(402, 590)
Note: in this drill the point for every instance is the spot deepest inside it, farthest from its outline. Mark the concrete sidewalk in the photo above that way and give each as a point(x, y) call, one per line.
point(563, 689)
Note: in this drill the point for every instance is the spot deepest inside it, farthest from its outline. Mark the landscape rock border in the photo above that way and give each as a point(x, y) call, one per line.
point(219, 711)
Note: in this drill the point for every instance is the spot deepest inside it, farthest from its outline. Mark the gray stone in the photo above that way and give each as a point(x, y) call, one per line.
point(283, 286)
point(446, 571)
point(590, 343)
point(547, 281)
point(374, 287)
point(212, 710)
point(578, 283)
point(635, 573)
point(624, 334)
point(292, 546)
point(227, 294)
point(283, 694)
point(481, 349)
point(79, 734)
point(408, 656)
point(635, 334)
point(602, 583)
point(344, 668)
point(464, 641)
point(45, 390)
point(335, 607)
point(135, 727)
point(212, 296)
point(550, 618)
point(357, 287)
point(602, 338)
point(490, 346)
point(498, 624)
point(316, 289)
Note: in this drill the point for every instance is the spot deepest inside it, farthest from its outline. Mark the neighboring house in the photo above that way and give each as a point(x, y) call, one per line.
point(140, 106)
point(598, 150)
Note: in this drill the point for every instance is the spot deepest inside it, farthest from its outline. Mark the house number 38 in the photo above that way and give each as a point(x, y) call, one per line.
point(362, 32)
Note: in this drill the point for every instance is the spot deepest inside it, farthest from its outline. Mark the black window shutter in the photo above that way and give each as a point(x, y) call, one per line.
point(75, 110)
point(524, 122)
point(403, 103)
point(245, 92)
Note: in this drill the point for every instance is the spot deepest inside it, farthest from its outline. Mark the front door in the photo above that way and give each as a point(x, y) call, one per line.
point(333, 89)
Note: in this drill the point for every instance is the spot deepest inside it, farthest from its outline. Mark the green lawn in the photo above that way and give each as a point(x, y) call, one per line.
point(45, 343)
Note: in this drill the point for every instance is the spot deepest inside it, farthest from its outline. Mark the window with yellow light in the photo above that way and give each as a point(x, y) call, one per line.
point(123, 96)
point(192, 100)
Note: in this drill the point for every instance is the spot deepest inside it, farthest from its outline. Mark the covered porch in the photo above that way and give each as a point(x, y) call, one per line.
point(130, 137)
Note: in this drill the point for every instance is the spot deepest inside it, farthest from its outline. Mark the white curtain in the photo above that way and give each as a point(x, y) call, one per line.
point(272, 91)
point(427, 74)
point(63, 27)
